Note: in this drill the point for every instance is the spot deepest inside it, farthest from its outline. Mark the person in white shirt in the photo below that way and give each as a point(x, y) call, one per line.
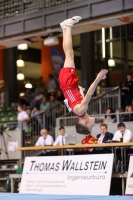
point(45, 140)
point(61, 139)
point(123, 134)
point(22, 117)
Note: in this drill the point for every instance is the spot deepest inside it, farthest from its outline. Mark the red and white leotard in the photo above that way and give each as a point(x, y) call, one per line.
point(68, 81)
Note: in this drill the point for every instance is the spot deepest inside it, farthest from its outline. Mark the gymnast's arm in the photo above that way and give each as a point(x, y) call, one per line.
point(82, 108)
point(87, 98)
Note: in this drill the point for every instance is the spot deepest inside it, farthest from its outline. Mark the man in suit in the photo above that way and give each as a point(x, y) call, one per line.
point(104, 136)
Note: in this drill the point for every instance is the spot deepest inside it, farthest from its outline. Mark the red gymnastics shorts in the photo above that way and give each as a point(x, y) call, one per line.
point(68, 81)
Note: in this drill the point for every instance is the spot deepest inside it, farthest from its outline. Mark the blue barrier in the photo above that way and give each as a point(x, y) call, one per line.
point(7, 196)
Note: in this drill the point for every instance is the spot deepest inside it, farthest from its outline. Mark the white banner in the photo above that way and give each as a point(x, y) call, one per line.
point(69, 175)
point(129, 186)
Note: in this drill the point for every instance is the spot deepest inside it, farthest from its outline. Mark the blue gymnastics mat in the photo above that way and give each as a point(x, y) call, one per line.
point(7, 196)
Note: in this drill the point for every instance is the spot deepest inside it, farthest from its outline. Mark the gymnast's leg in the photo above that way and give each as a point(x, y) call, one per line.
point(67, 40)
point(67, 46)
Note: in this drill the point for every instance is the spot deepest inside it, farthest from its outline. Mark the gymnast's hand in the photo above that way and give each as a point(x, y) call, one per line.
point(102, 74)
point(81, 88)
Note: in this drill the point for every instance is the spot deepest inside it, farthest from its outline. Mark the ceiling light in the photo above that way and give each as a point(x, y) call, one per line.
point(20, 63)
point(20, 76)
point(28, 85)
point(103, 42)
point(21, 94)
point(51, 41)
point(22, 46)
point(111, 63)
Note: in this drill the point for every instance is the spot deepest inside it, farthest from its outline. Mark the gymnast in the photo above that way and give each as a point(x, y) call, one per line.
point(68, 81)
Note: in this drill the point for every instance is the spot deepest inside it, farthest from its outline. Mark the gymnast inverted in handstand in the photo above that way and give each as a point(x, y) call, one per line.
point(68, 80)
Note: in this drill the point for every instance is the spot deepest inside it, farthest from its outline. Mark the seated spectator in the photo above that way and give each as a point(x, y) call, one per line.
point(27, 98)
point(60, 96)
point(60, 111)
point(23, 117)
point(44, 140)
point(25, 107)
point(28, 111)
point(51, 114)
point(109, 118)
point(52, 100)
point(35, 113)
point(126, 109)
point(44, 104)
point(49, 117)
point(129, 116)
point(37, 99)
point(51, 86)
point(61, 139)
point(120, 116)
point(103, 137)
point(123, 134)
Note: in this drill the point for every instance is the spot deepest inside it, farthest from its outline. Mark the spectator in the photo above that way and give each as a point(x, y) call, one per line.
point(51, 86)
point(109, 118)
point(23, 117)
point(123, 134)
point(51, 115)
point(53, 102)
point(35, 113)
point(126, 109)
point(49, 120)
point(24, 107)
point(103, 137)
point(37, 100)
point(28, 111)
point(128, 90)
point(27, 98)
point(60, 112)
point(129, 116)
point(61, 139)
point(44, 104)
point(60, 96)
point(45, 140)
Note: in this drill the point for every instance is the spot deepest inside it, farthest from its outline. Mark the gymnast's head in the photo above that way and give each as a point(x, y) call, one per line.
point(85, 125)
